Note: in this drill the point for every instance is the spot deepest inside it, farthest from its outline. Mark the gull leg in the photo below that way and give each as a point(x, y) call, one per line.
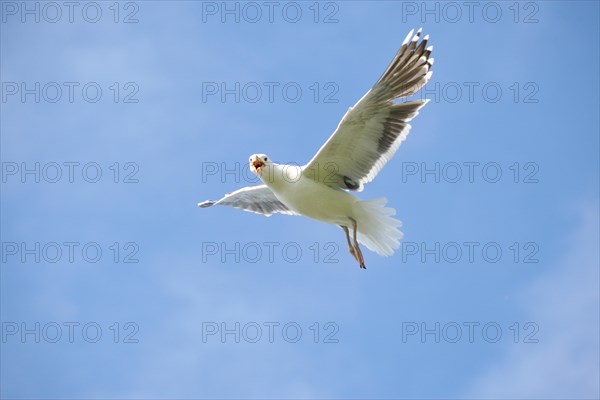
point(350, 247)
point(359, 255)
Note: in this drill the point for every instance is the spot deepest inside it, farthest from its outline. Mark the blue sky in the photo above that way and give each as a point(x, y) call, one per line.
point(532, 115)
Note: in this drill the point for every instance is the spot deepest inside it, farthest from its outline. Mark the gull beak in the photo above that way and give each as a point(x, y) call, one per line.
point(258, 165)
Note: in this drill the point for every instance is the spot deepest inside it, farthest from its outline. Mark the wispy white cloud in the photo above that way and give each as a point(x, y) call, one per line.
point(565, 305)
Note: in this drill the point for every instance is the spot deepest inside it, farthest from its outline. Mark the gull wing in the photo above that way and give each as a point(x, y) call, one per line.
point(370, 132)
point(258, 199)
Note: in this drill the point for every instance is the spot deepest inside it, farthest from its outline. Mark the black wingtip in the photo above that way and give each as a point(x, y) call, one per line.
point(206, 203)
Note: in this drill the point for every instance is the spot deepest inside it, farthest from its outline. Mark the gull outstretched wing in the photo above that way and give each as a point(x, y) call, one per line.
point(370, 132)
point(259, 199)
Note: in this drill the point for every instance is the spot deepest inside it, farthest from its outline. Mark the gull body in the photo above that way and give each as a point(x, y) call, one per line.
point(307, 197)
point(296, 188)
point(366, 138)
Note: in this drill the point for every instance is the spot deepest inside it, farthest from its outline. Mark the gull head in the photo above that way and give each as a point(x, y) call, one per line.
point(258, 162)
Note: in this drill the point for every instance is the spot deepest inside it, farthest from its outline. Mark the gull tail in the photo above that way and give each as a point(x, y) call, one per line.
point(376, 228)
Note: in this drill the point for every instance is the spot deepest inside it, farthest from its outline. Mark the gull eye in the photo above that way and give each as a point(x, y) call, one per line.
point(265, 159)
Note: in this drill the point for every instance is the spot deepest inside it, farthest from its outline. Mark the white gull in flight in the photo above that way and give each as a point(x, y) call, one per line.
point(365, 140)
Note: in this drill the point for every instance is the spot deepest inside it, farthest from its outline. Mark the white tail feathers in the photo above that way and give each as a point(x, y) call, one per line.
point(376, 228)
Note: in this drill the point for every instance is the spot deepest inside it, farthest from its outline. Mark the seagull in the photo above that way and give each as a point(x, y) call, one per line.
point(366, 138)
